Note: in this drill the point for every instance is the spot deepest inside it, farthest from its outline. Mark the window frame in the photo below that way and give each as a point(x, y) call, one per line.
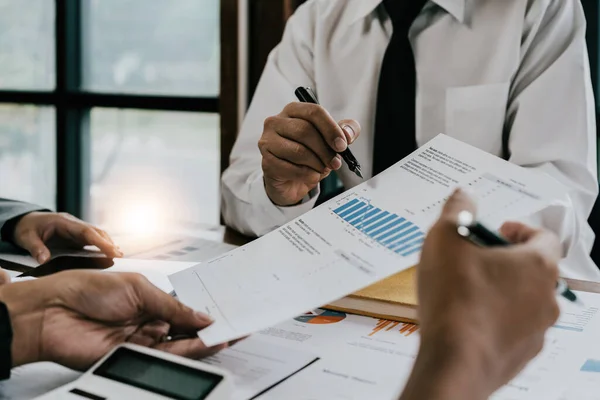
point(592, 9)
point(73, 104)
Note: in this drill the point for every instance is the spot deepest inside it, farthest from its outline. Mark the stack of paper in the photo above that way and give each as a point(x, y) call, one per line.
point(356, 239)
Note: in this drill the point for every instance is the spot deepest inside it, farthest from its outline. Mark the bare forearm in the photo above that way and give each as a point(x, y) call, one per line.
point(440, 374)
point(24, 301)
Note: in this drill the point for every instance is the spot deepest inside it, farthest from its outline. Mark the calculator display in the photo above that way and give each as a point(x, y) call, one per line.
point(158, 375)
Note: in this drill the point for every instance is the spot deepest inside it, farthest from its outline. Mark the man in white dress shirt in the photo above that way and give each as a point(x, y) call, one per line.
point(509, 77)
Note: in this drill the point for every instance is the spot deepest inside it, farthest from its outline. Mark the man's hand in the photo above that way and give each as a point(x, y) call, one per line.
point(36, 229)
point(483, 311)
point(74, 318)
point(299, 149)
point(4, 277)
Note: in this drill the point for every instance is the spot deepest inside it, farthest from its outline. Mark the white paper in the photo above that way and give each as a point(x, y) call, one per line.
point(360, 357)
point(380, 354)
point(585, 323)
point(156, 272)
point(345, 378)
point(257, 366)
point(356, 239)
point(340, 333)
point(567, 346)
point(586, 384)
point(182, 249)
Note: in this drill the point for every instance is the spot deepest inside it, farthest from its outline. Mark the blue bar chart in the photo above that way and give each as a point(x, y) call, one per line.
point(388, 229)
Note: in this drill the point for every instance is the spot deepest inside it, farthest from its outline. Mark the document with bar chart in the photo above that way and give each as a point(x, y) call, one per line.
point(385, 228)
point(356, 239)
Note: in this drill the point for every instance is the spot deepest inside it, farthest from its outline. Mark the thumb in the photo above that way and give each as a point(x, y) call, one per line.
point(351, 129)
point(34, 244)
point(517, 232)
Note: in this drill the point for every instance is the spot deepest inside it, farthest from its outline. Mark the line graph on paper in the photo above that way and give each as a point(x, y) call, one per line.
point(397, 233)
point(493, 195)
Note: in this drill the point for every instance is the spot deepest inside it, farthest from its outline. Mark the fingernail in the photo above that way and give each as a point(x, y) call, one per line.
point(349, 131)
point(203, 318)
point(336, 163)
point(339, 144)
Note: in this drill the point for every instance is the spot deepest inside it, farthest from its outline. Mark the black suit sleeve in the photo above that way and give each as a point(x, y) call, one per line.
point(6, 336)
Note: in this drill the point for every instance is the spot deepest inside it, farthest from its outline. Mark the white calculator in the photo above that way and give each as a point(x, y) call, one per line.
point(135, 372)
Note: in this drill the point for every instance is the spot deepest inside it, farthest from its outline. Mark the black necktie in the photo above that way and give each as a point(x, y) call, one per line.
point(395, 117)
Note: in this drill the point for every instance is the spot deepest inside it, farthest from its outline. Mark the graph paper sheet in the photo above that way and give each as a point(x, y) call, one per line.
point(362, 236)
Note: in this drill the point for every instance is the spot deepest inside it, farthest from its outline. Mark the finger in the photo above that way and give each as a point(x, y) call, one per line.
point(294, 152)
point(459, 201)
point(108, 238)
point(104, 235)
point(32, 242)
point(157, 330)
point(517, 232)
point(191, 348)
point(277, 169)
point(304, 132)
point(533, 240)
point(322, 120)
point(85, 234)
point(351, 129)
point(154, 304)
point(4, 277)
point(150, 334)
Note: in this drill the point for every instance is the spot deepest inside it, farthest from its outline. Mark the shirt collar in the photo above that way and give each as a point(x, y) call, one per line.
point(362, 8)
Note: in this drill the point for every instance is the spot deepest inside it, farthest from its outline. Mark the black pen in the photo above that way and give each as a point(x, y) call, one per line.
point(478, 234)
point(306, 95)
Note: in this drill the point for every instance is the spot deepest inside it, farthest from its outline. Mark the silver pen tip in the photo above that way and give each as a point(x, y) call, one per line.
point(358, 172)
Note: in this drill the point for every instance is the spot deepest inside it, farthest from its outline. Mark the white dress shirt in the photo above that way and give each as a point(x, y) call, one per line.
point(509, 77)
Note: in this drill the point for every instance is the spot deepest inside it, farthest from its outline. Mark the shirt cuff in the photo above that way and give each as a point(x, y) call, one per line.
point(277, 215)
point(7, 231)
point(307, 204)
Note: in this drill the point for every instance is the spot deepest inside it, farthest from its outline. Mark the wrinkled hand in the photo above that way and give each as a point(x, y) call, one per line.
point(299, 149)
point(37, 229)
point(483, 311)
point(75, 317)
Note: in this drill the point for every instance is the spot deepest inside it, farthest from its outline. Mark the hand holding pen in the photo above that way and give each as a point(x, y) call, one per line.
point(306, 95)
point(478, 234)
point(300, 147)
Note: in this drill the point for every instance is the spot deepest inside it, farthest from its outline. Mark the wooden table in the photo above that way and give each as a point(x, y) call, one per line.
point(584, 286)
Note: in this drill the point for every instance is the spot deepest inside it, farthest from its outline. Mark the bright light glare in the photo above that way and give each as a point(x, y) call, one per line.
point(137, 218)
point(142, 219)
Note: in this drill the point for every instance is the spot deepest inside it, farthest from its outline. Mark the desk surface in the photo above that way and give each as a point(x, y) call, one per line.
point(36, 379)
